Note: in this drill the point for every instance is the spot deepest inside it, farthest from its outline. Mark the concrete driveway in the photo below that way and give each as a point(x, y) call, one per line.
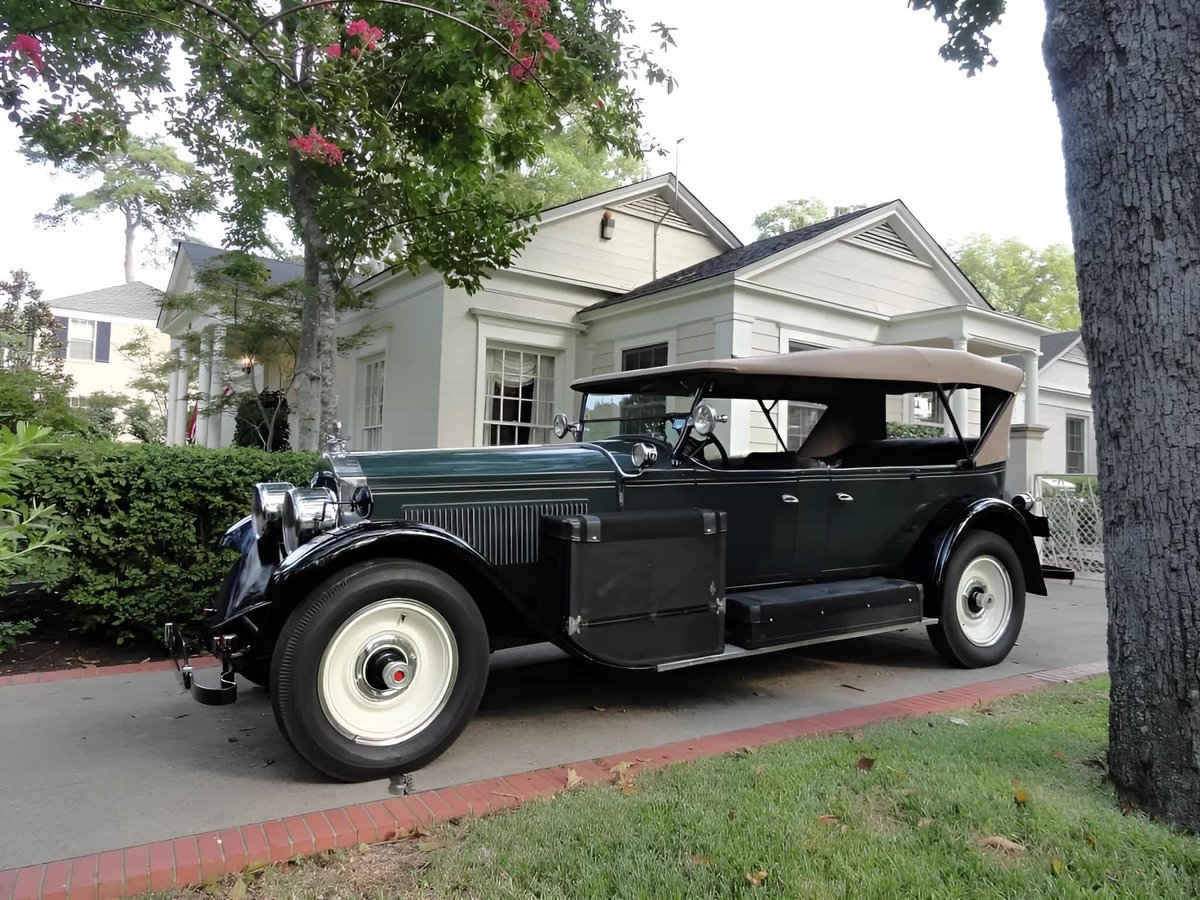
point(101, 763)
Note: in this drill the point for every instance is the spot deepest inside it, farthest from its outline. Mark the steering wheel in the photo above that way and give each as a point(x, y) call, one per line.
point(692, 448)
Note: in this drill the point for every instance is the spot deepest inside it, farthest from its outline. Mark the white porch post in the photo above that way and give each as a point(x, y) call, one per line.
point(202, 419)
point(216, 374)
point(173, 395)
point(733, 336)
point(1031, 386)
point(959, 400)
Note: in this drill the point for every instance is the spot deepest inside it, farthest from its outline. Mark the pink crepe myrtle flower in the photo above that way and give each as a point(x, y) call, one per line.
point(367, 33)
point(334, 50)
point(317, 148)
point(535, 9)
point(28, 46)
point(522, 70)
point(553, 45)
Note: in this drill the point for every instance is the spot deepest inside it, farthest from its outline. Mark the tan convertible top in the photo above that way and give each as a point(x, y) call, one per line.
point(903, 364)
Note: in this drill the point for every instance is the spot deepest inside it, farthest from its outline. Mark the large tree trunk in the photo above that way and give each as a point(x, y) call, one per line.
point(316, 397)
point(1125, 77)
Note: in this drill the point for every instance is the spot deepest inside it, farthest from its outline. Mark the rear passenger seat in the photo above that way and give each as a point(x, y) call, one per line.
point(780, 459)
point(905, 452)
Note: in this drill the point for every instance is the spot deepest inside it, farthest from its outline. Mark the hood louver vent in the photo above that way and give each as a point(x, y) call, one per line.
point(504, 535)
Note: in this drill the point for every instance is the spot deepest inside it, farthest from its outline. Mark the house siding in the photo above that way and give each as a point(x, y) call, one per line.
point(862, 279)
point(571, 248)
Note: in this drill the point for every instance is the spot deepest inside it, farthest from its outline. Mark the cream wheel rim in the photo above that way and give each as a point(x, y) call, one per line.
point(984, 601)
point(387, 672)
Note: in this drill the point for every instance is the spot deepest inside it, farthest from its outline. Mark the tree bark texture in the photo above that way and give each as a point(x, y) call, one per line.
point(316, 356)
point(130, 230)
point(1126, 78)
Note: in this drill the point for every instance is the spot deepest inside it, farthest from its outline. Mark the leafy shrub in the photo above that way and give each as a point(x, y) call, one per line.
point(262, 421)
point(12, 632)
point(147, 519)
point(906, 430)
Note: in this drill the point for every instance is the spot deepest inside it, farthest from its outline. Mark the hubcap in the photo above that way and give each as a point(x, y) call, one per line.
point(387, 672)
point(984, 601)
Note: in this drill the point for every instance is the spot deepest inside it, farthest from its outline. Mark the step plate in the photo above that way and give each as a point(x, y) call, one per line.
point(810, 612)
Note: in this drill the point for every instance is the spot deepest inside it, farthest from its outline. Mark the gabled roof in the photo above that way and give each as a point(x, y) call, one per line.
point(1053, 347)
point(135, 300)
point(740, 257)
point(684, 203)
point(202, 255)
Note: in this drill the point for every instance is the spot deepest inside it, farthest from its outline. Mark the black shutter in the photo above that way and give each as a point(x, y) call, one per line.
point(103, 337)
point(60, 338)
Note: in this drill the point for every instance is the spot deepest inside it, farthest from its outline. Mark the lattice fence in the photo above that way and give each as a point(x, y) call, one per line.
point(1072, 504)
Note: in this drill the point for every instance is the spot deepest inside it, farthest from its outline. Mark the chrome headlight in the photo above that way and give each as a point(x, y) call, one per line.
point(266, 504)
point(306, 513)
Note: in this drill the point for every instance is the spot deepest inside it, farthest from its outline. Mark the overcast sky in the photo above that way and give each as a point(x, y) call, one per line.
point(846, 101)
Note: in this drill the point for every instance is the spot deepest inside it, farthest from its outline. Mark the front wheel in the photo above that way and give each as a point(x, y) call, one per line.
point(982, 602)
point(379, 670)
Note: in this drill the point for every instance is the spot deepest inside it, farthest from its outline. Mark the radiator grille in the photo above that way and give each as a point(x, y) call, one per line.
point(503, 534)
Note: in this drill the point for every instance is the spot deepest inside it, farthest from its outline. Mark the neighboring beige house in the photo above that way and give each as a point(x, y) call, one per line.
point(645, 275)
point(91, 326)
point(1069, 445)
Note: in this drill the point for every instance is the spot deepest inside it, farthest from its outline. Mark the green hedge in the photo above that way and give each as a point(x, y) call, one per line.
point(906, 430)
point(146, 522)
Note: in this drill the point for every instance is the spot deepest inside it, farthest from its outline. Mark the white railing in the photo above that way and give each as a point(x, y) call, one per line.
point(1072, 504)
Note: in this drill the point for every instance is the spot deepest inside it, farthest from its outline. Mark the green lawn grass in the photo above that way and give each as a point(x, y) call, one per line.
point(812, 818)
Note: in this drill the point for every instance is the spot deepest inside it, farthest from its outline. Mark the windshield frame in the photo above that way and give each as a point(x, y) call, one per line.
point(697, 396)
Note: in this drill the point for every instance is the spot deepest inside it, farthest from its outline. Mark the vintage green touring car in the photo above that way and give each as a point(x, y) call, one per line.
point(369, 600)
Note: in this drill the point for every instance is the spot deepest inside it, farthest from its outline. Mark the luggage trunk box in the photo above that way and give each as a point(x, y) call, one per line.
point(638, 588)
point(816, 611)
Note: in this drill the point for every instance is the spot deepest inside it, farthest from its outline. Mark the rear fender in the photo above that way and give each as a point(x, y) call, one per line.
point(988, 514)
point(324, 556)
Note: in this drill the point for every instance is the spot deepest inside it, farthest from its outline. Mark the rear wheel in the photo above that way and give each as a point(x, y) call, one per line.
point(379, 670)
point(982, 602)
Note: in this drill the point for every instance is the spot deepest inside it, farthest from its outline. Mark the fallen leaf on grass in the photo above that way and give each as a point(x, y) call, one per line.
point(625, 776)
point(828, 819)
point(999, 842)
point(1021, 796)
point(921, 823)
point(957, 721)
point(1059, 755)
point(899, 773)
point(756, 878)
point(573, 779)
point(865, 763)
point(731, 815)
point(1091, 840)
point(697, 860)
point(238, 891)
point(1056, 866)
point(760, 768)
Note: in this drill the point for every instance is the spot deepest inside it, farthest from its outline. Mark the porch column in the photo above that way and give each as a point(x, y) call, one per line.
point(216, 385)
point(173, 394)
point(202, 419)
point(733, 337)
point(1031, 386)
point(959, 400)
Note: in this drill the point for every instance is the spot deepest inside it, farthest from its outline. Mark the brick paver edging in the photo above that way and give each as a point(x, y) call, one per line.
point(201, 858)
point(158, 665)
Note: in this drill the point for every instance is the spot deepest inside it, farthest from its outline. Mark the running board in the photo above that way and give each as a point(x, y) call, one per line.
point(732, 651)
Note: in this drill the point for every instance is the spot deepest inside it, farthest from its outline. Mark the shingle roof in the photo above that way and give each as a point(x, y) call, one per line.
point(1053, 346)
point(737, 258)
point(281, 270)
point(135, 300)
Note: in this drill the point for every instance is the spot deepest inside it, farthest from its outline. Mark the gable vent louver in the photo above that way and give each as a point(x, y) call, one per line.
point(883, 237)
point(655, 207)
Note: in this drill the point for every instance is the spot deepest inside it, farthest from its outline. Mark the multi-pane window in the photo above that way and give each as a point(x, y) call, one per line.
point(78, 402)
point(643, 413)
point(518, 398)
point(1076, 445)
point(644, 357)
point(927, 409)
point(372, 409)
point(81, 339)
point(801, 417)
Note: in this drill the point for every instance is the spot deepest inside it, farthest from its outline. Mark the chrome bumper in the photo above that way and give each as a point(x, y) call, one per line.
point(225, 692)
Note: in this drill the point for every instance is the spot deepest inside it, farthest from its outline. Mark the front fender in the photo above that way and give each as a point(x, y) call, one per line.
point(1002, 518)
point(333, 551)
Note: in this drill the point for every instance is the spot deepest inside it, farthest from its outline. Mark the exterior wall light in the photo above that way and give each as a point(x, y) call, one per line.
point(247, 363)
point(607, 226)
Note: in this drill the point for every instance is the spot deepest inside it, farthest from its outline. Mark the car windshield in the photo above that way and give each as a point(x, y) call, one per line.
point(654, 415)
